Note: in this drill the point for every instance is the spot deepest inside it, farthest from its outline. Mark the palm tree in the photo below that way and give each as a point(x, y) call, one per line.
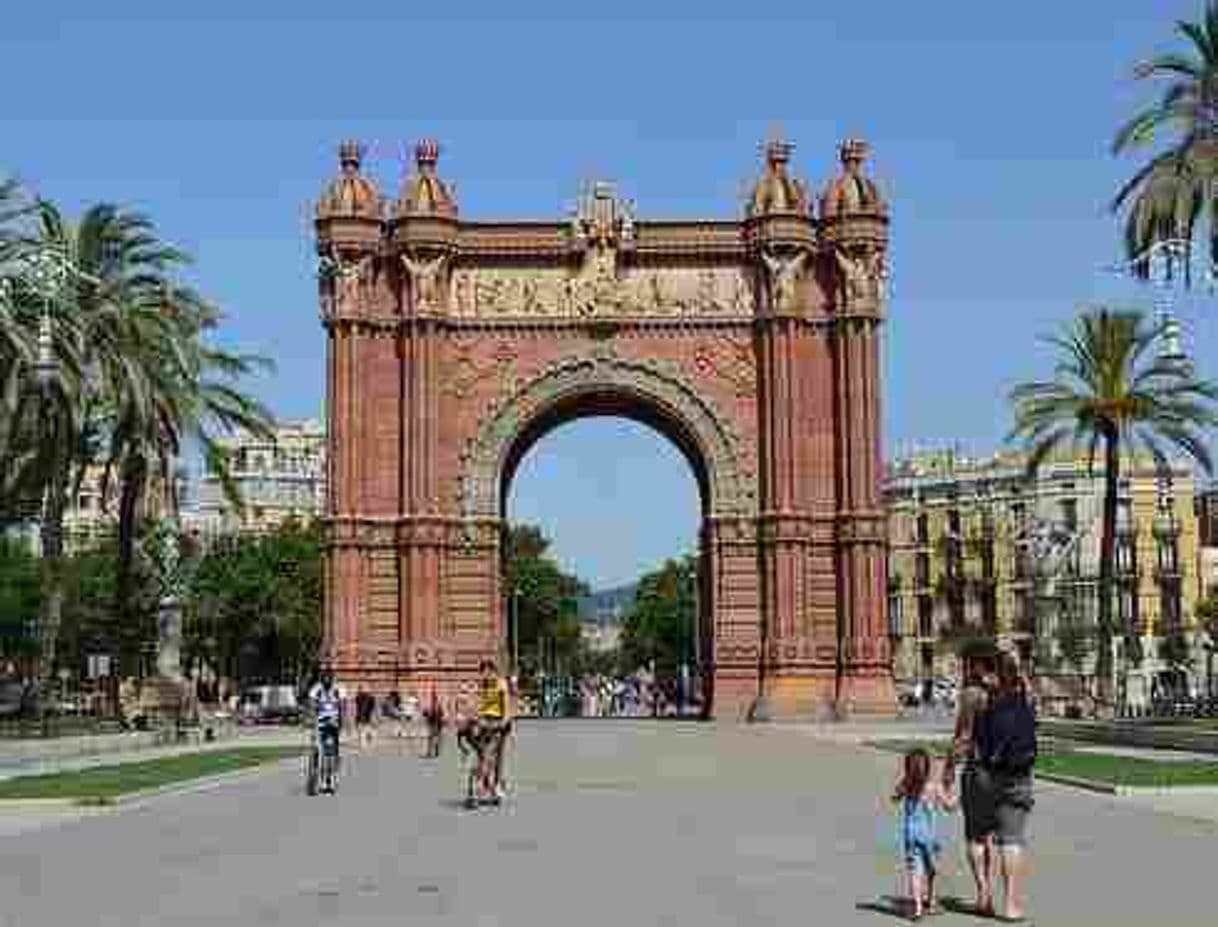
point(1172, 195)
point(132, 378)
point(17, 350)
point(1110, 390)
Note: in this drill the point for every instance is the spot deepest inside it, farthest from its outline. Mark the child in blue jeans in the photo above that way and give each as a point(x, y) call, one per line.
point(920, 796)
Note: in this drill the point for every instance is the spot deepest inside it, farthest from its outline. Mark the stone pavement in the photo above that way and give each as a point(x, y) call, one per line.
point(610, 823)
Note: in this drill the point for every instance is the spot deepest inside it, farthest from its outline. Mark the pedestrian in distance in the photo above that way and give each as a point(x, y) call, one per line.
point(920, 797)
point(433, 716)
point(365, 708)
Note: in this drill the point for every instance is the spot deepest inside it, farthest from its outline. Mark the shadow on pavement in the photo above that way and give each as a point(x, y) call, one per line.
point(885, 904)
point(894, 906)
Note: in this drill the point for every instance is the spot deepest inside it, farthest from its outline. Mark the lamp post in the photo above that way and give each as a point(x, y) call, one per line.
point(46, 269)
point(515, 629)
point(1051, 547)
point(1167, 265)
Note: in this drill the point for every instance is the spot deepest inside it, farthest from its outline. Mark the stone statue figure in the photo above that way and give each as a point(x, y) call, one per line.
point(345, 277)
point(708, 291)
point(424, 278)
point(862, 274)
point(350, 277)
point(463, 291)
point(784, 273)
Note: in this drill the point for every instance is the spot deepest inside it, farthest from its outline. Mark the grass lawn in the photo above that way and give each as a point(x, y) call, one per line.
point(102, 783)
point(1129, 770)
point(1097, 767)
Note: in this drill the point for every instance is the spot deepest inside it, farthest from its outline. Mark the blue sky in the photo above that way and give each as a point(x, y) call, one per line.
point(990, 125)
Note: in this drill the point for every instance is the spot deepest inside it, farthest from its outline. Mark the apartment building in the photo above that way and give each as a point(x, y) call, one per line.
point(978, 549)
point(277, 479)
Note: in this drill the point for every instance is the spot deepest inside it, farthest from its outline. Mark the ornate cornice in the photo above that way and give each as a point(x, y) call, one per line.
point(862, 528)
point(400, 532)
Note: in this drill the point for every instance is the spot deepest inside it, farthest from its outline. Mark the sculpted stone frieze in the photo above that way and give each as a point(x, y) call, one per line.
point(599, 289)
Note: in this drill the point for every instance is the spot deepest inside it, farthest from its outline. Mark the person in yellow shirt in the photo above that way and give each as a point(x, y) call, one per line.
point(494, 703)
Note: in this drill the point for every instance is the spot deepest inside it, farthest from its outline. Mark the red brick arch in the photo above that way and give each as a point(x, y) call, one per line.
point(753, 346)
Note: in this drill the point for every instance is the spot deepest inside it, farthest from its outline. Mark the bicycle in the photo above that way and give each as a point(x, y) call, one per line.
point(483, 743)
point(321, 769)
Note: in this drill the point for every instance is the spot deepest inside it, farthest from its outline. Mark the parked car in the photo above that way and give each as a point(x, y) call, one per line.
point(12, 698)
point(18, 698)
point(269, 705)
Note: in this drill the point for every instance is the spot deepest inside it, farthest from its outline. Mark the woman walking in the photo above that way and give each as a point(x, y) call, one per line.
point(996, 737)
point(975, 801)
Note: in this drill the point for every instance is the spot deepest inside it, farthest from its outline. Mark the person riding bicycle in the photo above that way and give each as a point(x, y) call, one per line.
point(491, 730)
point(326, 699)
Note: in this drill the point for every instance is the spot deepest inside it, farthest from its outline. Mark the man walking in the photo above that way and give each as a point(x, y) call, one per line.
point(365, 707)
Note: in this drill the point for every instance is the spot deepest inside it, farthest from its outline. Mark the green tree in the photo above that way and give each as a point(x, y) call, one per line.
point(1175, 650)
point(255, 604)
point(18, 599)
point(542, 600)
point(1171, 196)
point(1111, 391)
point(661, 625)
point(91, 579)
point(1206, 612)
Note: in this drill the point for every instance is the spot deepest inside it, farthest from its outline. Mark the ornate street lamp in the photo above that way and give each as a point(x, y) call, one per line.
point(1168, 265)
point(47, 270)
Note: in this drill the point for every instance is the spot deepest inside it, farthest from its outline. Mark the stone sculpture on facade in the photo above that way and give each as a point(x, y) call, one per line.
point(783, 278)
point(425, 280)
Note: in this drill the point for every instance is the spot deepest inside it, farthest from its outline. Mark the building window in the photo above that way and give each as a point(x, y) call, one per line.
point(1124, 522)
point(1169, 561)
point(1127, 609)
point(1169, 606)
point(926, 616)
point(896, 625)
point(922, 571)
point(923, 529)
point(989, 607)
point(1070, 514)
point(1025, 612)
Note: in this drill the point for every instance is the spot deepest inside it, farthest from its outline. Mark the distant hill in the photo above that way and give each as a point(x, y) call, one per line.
point(609, 606)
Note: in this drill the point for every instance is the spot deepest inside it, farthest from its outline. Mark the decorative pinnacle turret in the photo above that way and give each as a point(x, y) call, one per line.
point(350, 155)
point(778, 153)
point(426, 154)
point(853, 152)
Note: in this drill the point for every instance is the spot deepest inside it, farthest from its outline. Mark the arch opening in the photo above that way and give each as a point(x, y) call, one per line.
point(598, 676)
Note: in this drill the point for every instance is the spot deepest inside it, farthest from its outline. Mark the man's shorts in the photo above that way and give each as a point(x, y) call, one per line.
point(995, 804)
point(327, 737)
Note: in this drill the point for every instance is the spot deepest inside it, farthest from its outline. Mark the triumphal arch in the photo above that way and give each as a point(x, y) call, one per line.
point(751, 343)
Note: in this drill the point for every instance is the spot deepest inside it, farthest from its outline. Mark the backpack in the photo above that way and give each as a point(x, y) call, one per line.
point(1005, 735)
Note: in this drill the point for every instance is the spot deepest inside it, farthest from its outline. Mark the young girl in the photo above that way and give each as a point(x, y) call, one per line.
point(920, 796)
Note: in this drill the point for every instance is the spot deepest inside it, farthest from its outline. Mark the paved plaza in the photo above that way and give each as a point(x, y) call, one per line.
point(611, 823)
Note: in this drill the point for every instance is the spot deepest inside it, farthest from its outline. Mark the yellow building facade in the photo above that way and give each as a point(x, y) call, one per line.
point(976, 549)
